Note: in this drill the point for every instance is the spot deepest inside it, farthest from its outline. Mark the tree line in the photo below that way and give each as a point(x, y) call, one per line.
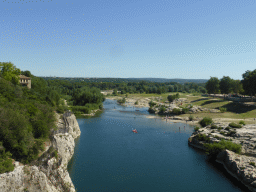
point(226, 85)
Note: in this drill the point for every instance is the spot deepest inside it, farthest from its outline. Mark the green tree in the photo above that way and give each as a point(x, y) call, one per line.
point(226, 84)
point(26, 73)
point(237, 86)
point(114, 92)
point(249, 82)
point(212, 85)
point(9, 72)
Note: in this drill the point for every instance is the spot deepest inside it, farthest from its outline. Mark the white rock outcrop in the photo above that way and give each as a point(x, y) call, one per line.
point(49, 172)
point(241, 166)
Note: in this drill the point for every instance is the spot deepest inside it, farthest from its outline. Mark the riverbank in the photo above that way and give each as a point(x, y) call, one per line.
point(49, 172)
point(241, 166)
point(197, 112)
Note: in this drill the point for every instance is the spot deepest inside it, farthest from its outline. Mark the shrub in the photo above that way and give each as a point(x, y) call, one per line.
point(215, 148)
point(206, 121)
point(151, 103)
point(234, 125)
point(191, 117)
point(214, 126)
point(196, 128)
point(202, 137)
point(176, 111)
point(151, 110)
point(242, 168)
point(217, 137)
point(185, 110)
point(252, 163)
point(241, 122)
point(222, 109)
point(5, 162)
point(60, 109)
point(136, 103)
point(227, 128)
point(56, 154)
point(222, 133)
point(162, 109)
point(121, 101)
point(219, 128)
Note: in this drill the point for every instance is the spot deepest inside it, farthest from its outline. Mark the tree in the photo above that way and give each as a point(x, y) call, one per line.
point(226, 84)
point(212, 85)
point(171, 98)
point(26, 73)
point(9, 72)
point(237, 86)
point(114, 92)
point(249, 82)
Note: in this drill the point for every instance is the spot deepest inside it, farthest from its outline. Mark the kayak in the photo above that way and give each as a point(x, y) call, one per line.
point(135, 131)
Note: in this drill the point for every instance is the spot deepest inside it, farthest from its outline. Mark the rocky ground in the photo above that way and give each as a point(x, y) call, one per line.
point(241, 166)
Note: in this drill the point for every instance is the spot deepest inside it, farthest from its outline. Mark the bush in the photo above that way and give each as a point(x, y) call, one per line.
point(234, 125)
point(241, 122)
point(81, 109)
point(196, 128)
point(5, 162)
point(214, 126)
point(136, 103)
point(176, 111)
point(222, 109)
point(222, 133)
point(121, 101)
point(162, 109)
point(191, 117)
point(151, 110)
point(185, 110)
point(206, 121)
point(215, 148)
point(252, 163)
point(219, 128)
point(202, 137)
point(231, 133)
point(151, 103)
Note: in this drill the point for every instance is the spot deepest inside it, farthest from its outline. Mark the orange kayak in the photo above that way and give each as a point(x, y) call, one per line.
point(135, 131)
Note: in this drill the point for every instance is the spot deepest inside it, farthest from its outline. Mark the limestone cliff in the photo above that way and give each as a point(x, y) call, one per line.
point(241, 166)
point(49, 172)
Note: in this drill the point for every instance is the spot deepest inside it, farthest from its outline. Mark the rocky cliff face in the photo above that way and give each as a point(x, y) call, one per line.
point(241, 166)
point(50, 171)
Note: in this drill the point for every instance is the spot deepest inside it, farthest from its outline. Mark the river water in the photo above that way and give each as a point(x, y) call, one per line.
point(110, 157)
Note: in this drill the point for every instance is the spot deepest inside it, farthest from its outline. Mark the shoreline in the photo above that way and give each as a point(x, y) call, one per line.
point(176, 118)
point(237, 165)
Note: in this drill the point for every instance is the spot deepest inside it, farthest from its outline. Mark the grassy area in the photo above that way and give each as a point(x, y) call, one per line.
point(234, 110)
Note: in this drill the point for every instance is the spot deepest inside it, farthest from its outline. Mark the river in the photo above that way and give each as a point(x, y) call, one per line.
point(110, 157)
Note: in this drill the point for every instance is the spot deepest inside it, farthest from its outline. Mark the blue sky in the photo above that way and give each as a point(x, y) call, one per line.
point(189, 39)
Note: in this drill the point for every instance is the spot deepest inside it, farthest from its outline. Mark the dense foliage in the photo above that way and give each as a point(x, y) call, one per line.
point(205, 121)
point(69, 85)
point(234, 125)
point(215, 148)
point(26, 120)
point(249, 82)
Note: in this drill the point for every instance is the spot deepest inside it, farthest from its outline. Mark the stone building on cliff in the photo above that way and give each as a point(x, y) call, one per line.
point(25, 81)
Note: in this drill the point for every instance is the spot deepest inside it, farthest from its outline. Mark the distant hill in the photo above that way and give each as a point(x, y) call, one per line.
point(119, 80)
